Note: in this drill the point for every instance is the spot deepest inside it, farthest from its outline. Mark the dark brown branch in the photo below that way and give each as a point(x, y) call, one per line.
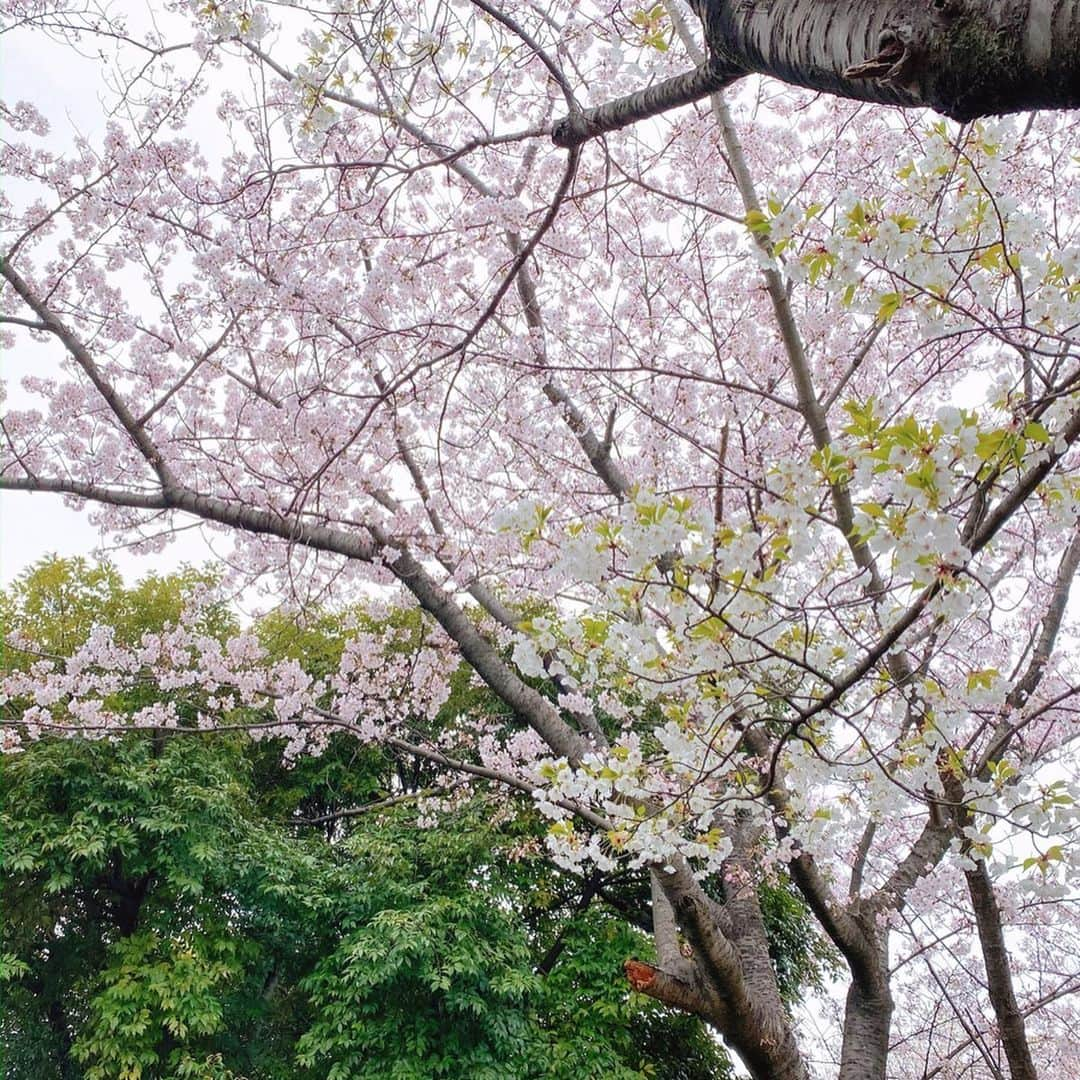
point(590, 889)
point(966, 60)
point(1010, 1020)
point(81, 355)
point(659, 98)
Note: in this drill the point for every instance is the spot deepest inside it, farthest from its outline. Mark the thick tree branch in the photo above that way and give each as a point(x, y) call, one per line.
point(964, 58)
point(662, 986)
point(666, 932)
point(672, 93)
point(527, 703)
point(843, 929)
point(927, 851)
point(760, 1032)
point(984, 905)
point(209, 508)
point(1067, 989)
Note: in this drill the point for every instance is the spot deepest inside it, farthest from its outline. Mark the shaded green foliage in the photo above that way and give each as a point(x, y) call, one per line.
point(470, 950)
point(436, 957)
point(168, 913)
point(151, 903)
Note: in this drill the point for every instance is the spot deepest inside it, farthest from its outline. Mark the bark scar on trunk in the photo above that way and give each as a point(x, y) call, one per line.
point(641, 975)
point(891, 55)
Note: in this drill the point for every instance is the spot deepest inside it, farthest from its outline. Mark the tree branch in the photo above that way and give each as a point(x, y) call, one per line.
point(672, 93)
point(81, 355)
point(999, 982)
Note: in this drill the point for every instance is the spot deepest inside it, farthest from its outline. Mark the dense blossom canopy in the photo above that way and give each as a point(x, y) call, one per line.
point(735, 452)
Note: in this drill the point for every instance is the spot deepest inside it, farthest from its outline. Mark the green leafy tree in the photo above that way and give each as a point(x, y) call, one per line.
point(186, 906)
point(462, 946)
point(154, 911)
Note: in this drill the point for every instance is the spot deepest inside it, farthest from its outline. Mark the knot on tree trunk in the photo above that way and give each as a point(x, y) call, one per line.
point(573, 130)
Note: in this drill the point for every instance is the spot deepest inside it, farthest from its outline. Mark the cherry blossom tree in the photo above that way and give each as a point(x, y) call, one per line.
point(735, 452)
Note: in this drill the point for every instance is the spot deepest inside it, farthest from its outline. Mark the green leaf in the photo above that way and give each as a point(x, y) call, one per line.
point(1036, 432)
point(889, 304)
point(758, 223)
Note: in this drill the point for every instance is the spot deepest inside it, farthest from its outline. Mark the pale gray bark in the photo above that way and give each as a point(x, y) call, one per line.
point(864, 1052)
point(964, 58)
point(730, 983)
point(665, 931)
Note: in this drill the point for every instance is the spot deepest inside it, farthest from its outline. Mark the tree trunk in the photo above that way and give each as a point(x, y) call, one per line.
point(964, 58)
point(868, 1013)
point(1010, 1020)
point(727, 981)
point(867, 1016)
